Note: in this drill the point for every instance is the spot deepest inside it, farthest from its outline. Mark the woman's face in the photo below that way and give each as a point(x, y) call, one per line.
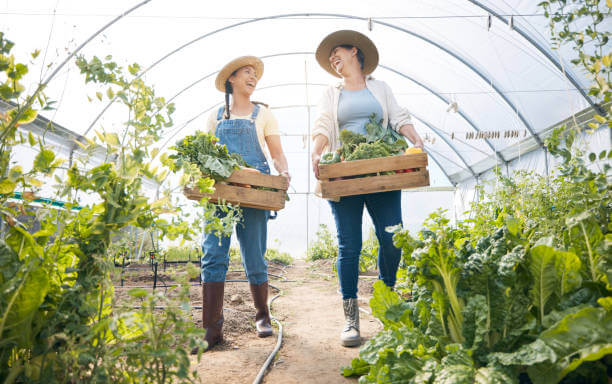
point(244, 80)
point(342, 58)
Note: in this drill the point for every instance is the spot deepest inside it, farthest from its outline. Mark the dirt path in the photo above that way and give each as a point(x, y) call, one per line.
point(311, 312)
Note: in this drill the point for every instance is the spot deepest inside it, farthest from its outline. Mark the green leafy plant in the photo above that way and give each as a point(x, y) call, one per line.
point(203, 150)
point(58, 321)
point(501, 292)
point(378, 142)
point(273, 254)
point(178, 253)
point(368, 259)
point(324, 246)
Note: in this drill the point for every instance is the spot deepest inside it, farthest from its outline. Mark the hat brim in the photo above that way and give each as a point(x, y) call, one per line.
point(348, 37)
point(236, 64)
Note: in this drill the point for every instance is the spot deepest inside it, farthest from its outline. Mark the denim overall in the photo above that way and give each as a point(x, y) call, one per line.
point(240, 136)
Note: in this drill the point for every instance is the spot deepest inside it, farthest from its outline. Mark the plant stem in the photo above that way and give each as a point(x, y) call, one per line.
point(588, 245)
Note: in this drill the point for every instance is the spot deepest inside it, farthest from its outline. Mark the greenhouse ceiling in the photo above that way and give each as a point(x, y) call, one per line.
point(481, 78)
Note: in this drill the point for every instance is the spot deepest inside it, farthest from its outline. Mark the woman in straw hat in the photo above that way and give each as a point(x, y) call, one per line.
point(247, 128)
point(352, 56)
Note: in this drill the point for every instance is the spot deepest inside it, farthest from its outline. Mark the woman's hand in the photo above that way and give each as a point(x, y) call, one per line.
point(316, 159)
point(278, 156)
point(287, 175)
point(409, 132)
point(320, 142)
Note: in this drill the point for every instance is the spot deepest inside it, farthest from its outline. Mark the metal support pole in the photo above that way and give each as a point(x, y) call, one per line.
point(155, 275)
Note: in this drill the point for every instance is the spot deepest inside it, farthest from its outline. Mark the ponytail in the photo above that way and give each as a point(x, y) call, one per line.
point(228, 91)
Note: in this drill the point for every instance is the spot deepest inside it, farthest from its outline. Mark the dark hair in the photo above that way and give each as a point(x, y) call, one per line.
point(360, 56)
point(228, 91)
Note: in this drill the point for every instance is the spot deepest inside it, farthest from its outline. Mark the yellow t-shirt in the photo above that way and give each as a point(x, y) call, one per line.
point(265, 124)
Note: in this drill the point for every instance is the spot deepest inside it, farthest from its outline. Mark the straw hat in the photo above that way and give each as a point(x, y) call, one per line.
point(236, 64)
point(354, 38)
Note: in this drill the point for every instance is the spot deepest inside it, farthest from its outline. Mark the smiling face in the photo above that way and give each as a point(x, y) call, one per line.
point(244, 80)
point(343, 59)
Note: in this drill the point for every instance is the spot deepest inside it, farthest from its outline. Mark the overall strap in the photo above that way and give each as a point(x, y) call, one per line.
point(255, 111)
point(220, 112)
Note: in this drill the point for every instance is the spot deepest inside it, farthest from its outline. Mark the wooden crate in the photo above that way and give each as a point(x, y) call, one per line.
point(244, 196)
point(333, 184)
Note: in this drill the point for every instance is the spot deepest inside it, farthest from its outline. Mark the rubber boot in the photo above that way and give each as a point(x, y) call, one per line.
point(350, 336)
point(262, 315)
point(212, 313)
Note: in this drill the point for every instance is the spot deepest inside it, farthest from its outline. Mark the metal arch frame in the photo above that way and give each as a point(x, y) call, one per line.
point(90, 38)
point(464, 61)
point(569, 74)
point(447, 101)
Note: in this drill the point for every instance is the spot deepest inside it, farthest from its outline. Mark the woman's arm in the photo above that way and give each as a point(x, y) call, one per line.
point(278, 156)
point(322, 130)
point(320, 142)
point(408, 131)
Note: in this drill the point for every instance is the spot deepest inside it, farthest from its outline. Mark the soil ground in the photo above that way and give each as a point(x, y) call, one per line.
point(310, 310)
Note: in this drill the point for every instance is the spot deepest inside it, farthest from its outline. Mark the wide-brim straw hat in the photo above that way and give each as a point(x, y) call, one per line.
point(348, 37)
point(236, 64)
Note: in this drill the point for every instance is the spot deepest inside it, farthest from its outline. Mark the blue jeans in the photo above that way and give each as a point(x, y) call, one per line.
point(385, 209)
point(252, 234)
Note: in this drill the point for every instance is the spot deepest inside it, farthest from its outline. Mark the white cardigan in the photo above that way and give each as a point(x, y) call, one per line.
point(327, 125)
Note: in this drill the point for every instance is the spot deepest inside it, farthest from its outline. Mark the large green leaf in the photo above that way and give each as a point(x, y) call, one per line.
point(579, 337)
point(26, 293)
point(567, 265)
point(7, 186)
point(583, 336)
point(492, 375)
point(358, 367)
point(476, 324)
point(388, 307)
point(455, 374)
point(215, 166)
point(542, 269)
point(43, 160)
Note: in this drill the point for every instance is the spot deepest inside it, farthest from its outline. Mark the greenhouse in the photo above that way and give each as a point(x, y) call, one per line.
point(437, 208)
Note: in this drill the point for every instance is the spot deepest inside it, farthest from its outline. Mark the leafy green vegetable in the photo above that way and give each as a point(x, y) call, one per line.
point(212, 159)
point(378, 142)
point(330, 158)
point(578, 337)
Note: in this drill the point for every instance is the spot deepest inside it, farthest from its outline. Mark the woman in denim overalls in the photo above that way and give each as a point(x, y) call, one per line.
point(240, 127)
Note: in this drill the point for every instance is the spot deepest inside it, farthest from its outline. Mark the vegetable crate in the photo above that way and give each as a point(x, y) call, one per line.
point(355, 177)
point(247, 189)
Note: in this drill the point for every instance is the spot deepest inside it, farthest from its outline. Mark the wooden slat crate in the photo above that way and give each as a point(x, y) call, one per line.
point(245, 196)
point(333, 184)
